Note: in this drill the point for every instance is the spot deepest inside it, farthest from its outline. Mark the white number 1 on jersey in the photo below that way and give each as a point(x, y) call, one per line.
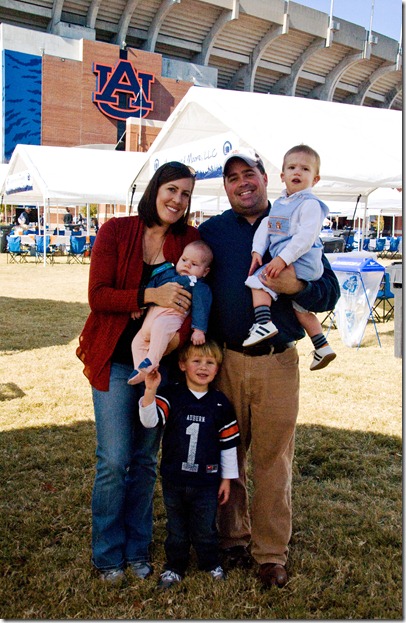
point(193, 431)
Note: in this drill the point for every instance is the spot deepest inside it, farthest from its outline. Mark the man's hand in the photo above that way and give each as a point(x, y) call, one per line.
point(286, 283)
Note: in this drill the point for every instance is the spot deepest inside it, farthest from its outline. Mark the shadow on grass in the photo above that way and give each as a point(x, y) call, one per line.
point(345, 558)
point(28, 324)
point(10, 391)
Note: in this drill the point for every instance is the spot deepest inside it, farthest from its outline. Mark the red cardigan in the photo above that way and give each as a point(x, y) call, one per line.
point(115, 274)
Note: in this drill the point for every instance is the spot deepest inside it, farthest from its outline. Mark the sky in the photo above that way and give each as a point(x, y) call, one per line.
point(387, 16)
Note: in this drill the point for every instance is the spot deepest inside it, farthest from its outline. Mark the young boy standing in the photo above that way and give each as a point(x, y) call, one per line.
point(199, 457)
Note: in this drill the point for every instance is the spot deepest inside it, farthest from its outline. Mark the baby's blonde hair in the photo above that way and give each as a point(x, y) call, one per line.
point(304, 149)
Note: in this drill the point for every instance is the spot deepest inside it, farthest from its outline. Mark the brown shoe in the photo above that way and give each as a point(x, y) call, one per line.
point(273, 574)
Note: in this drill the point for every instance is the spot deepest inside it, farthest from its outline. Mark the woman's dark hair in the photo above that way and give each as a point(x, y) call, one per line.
point(168, 172)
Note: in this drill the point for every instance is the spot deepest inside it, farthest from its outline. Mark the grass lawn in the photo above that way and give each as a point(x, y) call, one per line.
point(345, 557)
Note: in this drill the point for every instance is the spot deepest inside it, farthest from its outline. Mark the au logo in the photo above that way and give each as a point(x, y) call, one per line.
point(121, 91)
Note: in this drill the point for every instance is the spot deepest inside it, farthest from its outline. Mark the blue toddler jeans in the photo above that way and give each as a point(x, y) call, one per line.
point(125, 475)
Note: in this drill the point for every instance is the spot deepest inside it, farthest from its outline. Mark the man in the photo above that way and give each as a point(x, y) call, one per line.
point(262, 381)
point(24, 218)
point(67, 218)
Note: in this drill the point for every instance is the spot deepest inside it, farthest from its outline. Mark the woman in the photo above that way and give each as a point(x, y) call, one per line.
point(125, 252)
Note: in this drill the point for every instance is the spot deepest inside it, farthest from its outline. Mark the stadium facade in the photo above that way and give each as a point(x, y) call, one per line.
point(82, 72)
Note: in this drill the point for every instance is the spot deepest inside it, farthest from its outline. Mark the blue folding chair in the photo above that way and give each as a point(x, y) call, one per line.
point(393, 248)
point(365, 244)
point(349, 243)
point(39, 250)
point(380, 246)
point(15, 252)
point(77, 249)
point(383, 308)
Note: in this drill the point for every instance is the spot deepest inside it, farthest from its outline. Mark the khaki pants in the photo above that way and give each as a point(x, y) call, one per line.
point(264, 391)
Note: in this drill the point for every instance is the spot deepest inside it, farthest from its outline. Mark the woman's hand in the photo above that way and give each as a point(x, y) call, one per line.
point(169, 295)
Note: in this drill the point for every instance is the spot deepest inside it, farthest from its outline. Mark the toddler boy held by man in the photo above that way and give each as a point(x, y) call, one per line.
point(291, 233)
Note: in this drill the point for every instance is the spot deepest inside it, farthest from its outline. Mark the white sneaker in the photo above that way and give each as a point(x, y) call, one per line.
point(142, 569)
point(167, 579)
point(112, 576)
point(322, 357)
point(218, 573)
point(259, 332)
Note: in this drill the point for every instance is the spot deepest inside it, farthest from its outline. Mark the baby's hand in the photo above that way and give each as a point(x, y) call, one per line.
point(274, 268)
point(198, 337)
point(256, 262)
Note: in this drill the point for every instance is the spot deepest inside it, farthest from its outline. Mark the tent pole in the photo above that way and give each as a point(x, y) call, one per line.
point(364, 224)
point(88, 221)
point(44, 234)
point(353, 219)
point(140, 134)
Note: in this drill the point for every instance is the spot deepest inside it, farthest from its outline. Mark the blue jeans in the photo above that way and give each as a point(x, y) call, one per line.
point(191, 520)
point(125, 475)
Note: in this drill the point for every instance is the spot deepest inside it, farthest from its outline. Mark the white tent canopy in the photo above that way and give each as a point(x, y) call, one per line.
point(69, 175)
point(382, 201)
point(3, 173)
point(360, 147)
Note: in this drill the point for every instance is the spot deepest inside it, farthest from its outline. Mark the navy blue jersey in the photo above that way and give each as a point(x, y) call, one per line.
point(196, 431)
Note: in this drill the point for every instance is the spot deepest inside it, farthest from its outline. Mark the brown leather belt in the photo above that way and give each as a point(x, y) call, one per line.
point(258, 350)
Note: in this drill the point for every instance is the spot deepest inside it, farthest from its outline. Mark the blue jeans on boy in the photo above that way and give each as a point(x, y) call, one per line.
point(191, 520)
point(125, 475)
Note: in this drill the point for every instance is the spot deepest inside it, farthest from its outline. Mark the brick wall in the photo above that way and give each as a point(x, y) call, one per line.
point(69, 116)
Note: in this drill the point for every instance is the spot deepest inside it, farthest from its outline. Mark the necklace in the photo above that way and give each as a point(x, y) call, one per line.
point(150, 254)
